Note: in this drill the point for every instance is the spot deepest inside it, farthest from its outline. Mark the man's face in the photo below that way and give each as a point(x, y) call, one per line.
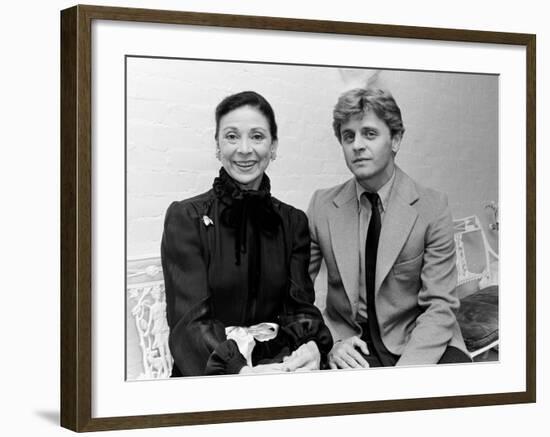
point(369, 149)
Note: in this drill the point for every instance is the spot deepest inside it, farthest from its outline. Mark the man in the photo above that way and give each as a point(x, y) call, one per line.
point(388, 246)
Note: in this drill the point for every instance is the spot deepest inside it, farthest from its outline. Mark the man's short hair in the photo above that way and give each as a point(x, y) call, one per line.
point(359, 101)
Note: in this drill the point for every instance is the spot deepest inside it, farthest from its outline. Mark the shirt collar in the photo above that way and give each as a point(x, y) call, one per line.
point(383, 193)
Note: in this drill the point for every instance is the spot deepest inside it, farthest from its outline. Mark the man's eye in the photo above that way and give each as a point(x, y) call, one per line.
point(348, 138)
point(371, 135)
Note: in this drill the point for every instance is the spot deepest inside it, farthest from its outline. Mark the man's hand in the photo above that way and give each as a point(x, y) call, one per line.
point(345, 354)
point(306, 357)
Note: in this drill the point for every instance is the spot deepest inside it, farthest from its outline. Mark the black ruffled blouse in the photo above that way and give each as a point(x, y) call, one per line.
point(237, 258)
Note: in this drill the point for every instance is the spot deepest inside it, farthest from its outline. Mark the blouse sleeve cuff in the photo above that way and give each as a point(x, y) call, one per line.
point(303, 329)
point(225, 359)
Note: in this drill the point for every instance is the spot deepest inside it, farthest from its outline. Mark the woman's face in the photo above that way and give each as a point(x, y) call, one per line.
point(245, 146)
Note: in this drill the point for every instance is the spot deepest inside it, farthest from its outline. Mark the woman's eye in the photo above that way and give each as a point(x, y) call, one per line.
point(231, 137)
point(257, 137)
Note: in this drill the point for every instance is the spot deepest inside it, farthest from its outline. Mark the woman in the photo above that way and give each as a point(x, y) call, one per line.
point(235, 261)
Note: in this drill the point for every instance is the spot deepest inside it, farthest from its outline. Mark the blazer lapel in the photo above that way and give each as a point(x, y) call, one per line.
point(344, 225)
point(399, 219)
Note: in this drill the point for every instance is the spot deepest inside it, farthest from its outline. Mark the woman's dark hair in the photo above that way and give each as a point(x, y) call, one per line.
point(247, 98)
point(359, 101)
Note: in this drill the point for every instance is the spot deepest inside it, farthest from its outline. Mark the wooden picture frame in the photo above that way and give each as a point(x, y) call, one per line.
point(76, 217)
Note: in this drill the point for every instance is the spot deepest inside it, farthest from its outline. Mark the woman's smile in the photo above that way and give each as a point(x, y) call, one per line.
point(245, 165)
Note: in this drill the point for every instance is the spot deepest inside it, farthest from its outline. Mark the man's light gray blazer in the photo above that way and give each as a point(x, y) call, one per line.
point(415, 268)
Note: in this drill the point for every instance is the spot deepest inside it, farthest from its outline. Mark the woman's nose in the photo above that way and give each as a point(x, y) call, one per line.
point(244, 146)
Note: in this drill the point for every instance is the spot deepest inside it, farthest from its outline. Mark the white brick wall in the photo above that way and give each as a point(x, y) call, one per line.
point(450, 141)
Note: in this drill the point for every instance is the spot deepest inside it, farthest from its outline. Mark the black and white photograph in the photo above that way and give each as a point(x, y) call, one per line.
point(308, 218)
point(281, 218)
point(271, 218)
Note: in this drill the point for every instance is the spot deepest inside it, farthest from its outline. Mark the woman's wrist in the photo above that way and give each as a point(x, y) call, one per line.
point(245, 370)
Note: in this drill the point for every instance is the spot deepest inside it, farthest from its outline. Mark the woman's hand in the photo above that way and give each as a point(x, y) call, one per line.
point(306, 357)
point(263, 368)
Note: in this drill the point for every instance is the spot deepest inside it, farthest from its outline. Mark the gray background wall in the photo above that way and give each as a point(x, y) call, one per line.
point(450, 143)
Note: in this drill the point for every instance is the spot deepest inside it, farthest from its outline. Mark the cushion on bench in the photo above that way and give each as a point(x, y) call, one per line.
point(478, 318)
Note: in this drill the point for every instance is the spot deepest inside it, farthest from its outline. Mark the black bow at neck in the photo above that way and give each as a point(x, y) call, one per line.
point(245, 206)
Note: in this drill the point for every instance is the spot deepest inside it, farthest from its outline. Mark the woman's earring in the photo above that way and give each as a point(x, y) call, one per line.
point(273, 155)
point(218, 154)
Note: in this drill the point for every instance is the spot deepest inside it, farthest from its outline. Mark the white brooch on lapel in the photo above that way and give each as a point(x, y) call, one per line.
point(207, 220)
